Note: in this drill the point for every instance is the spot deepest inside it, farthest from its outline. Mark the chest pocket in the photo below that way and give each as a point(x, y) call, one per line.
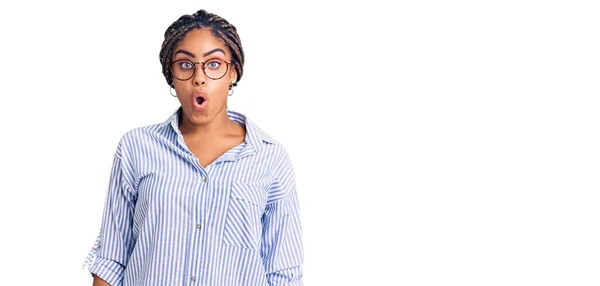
point(243, 227)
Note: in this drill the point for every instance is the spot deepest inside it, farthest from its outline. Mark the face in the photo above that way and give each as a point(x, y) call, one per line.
point(202, 96)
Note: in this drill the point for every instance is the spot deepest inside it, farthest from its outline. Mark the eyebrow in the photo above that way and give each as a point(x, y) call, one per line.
point(205, 54)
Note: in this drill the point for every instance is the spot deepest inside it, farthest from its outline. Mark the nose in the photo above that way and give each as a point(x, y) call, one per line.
point(199, 77)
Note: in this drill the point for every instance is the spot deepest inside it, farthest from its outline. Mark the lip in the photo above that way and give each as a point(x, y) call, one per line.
point(199, 107)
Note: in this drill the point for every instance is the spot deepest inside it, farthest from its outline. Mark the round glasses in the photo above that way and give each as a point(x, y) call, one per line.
point(185, 69)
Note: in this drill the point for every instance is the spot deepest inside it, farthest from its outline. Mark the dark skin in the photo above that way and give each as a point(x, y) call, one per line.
point(208, 133)
point(99, 282)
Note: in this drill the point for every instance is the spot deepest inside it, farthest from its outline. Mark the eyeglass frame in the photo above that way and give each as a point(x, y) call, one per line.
point(201, 65)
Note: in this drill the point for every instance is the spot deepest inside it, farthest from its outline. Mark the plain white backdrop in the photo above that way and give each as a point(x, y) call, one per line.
point(434, 142)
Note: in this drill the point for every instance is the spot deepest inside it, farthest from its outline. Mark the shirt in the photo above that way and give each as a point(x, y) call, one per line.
point(169, 221)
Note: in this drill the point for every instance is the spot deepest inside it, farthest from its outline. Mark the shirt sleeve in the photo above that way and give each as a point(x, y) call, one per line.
point(281, 249)
point(112, 248)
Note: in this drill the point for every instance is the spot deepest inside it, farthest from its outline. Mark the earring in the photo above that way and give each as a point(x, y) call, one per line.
point(171, 92)
point(230, 92)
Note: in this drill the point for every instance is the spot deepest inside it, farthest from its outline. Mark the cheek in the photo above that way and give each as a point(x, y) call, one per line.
point(180, 85)
point(221, 87)
point(180, 90)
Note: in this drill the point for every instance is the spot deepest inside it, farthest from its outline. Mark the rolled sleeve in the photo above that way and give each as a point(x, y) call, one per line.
point(110, 271)
point(282, 250)
point(110, 254)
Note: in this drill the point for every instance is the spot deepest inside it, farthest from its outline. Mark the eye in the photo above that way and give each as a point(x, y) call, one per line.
point(213, 64)
point(185, 65)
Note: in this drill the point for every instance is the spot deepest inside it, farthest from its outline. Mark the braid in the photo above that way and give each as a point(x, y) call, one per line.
point(219, 27)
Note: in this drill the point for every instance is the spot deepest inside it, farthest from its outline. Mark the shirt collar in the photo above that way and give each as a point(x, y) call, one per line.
point(254, 135)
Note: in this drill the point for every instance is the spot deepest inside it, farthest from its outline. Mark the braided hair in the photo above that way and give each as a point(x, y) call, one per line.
point(219, 28)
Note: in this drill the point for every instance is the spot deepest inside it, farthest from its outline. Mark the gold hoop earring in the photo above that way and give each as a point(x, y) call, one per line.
point(174, 95)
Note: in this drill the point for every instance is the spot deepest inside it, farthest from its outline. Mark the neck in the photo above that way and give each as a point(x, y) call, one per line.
point(219, 125)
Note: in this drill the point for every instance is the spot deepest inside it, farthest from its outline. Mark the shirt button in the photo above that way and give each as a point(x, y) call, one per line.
point(198, 226)
point(205, 179)
point(193, 278)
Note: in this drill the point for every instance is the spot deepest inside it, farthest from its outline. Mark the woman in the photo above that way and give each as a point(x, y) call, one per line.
point(206, 197)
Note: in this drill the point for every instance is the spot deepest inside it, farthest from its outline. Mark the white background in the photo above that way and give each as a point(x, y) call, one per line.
point(434, 142)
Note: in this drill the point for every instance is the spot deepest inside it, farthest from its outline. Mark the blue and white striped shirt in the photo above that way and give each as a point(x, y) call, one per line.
point(169, 221)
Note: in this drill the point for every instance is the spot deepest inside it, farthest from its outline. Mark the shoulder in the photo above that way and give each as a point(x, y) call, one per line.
point(139, 137)
point(278, 154)
point(269, 144)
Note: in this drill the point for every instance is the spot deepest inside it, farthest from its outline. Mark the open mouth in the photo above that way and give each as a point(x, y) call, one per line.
point(200, 101)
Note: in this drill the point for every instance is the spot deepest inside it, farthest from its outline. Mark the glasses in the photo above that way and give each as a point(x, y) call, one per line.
point(213, 68)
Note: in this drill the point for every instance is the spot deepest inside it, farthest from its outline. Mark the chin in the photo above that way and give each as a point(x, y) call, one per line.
point(199, 117)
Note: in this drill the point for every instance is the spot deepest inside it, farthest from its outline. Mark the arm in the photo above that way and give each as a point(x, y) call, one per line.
point(99, 282)
point(115, 241)
point(281, 248)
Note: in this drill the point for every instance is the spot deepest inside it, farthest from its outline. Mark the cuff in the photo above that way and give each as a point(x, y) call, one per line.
point(110, 271)
point(292, 283)
point(286, 277)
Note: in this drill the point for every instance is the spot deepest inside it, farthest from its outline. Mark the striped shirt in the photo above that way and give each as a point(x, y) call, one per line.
point(169, 221)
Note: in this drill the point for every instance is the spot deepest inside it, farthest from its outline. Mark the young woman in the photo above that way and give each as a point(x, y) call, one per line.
point(206, 197)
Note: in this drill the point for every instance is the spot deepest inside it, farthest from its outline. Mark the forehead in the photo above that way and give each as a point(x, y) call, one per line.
point(199, 41)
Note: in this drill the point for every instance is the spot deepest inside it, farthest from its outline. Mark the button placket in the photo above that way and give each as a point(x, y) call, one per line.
point(202, 180)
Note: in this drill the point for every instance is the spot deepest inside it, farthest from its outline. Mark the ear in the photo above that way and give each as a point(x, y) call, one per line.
point(233, 76)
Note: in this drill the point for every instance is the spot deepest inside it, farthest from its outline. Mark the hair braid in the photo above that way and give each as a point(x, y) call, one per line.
point(218, 26)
